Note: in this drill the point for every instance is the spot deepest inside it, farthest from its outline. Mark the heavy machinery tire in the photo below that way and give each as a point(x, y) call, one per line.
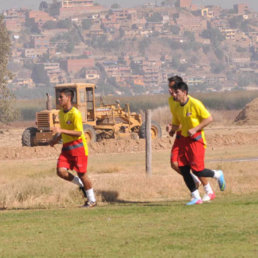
point(28, 135)
point(156, 131)
point(89, 133)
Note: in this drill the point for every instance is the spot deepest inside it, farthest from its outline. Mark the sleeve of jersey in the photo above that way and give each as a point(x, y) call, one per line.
point(78, 122)
point(175, 120)
point(202, 111)
point(172, 108)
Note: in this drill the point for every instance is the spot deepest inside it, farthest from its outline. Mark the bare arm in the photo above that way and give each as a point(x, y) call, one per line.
point(171, 129)
point(65, 131)
point(56, 138)
point(58, 134)
point(199, 127)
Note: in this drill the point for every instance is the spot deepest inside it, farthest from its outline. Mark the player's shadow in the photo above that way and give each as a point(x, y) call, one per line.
point(112, 197)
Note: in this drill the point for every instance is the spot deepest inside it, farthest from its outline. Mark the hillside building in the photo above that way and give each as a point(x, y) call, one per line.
point(72, 8)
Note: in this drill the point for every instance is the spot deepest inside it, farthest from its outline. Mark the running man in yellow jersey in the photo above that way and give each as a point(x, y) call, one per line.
point(175, 148)
point(192, 116)
point(74, 155)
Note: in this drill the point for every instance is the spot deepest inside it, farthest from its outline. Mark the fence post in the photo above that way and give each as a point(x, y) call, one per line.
point(148, 141)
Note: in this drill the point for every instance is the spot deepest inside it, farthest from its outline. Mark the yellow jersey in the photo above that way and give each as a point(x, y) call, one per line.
point(172, 105)
point(190, 115)
point(72, 120)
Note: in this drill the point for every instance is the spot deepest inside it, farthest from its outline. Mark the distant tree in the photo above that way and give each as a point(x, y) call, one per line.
point(54, 8)
point(136, 68)
point(115, 6)
point(177, 4)
point(206, 49)
point(219, 53)
point(7, 110)
point(183, 68)
point(64, 24)
point(254, 53)
point(175, 45)
point(86, 24)
point(168, 2)
point(242, 82)
point(134, 27)
point(175, 62)
point(32, 26)
point(50, 25)
point(69, 47)
point(121, 59)
point(189, 35)
point(175, 29)
point(143, 44)
point(44, 58)
point(217, 68)
point(197, 13)
point(245, 26)
point(235, 21)
point(43, 6)
point(39, 74)
point(155, 17)
point(121, 32)
point(194, 59)
point(215, 36)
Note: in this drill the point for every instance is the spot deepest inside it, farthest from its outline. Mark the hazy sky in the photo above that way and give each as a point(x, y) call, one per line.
point(34, 4)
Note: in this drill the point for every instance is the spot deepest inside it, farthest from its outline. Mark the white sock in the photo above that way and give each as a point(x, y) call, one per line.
point(217, 173)
point(196, 194)
point(208, 189)
point(76, 180)
point(91, 195)
point(195, 179)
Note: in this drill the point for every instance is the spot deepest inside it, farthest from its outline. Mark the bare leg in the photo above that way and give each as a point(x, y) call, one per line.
point(64, 174)
point(204, 180)
point(174, 165)
point(85, 180)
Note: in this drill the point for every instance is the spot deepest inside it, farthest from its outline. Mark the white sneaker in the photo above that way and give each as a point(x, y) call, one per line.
point(208, 197)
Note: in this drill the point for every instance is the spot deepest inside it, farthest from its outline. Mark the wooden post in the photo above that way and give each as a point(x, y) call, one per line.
point(148, 141)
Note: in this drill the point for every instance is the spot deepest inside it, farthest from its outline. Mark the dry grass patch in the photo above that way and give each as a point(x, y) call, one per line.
point(120, 178)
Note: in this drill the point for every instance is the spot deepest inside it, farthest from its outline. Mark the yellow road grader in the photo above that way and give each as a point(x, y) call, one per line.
point(102, 122)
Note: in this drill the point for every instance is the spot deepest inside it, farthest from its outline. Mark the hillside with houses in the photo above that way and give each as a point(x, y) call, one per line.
point(133, 50)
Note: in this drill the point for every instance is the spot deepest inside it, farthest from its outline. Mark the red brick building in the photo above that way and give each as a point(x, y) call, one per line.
point(14, 19)
point(241, 8)
point(185, 4)
point(71, 8)
point(40, 17)
point(75, 65)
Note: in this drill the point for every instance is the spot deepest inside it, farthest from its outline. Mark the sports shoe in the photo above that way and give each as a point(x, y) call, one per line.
point(89, 204)
point(221, 181)
point(194, 201)
point(208, 197)
point(81, 188)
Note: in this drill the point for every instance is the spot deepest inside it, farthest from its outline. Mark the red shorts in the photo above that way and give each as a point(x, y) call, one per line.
point(77, 163)
point(192, 152)
point(175, 148)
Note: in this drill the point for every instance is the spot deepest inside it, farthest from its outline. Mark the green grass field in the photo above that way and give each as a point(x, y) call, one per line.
point(227, 227)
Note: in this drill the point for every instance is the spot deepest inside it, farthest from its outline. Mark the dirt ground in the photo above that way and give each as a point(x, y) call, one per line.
point(117, 169)
point(11, 147)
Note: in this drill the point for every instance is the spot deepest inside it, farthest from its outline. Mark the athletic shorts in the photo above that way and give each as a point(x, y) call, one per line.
point(77, 163)
point(175, 148)
point(192, 152)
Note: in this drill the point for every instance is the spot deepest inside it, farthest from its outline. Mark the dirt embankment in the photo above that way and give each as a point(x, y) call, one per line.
point(249, 114)
point(11, 148)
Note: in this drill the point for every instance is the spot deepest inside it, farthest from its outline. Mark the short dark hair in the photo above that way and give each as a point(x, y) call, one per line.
point(181, 86)
point(175, 79)
point(68, 92)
